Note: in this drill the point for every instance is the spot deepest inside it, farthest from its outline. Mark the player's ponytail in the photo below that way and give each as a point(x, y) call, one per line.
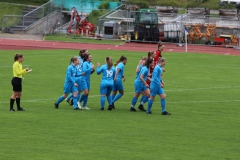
point(109, 62)
point(122, 58)
point(150, 53)
point(148, 62)
point(16, 56)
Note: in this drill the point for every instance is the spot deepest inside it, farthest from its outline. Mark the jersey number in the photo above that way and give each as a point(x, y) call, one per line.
point(109, 73)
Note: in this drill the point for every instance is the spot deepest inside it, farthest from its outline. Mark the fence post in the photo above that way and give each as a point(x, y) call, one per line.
point(2, 23)
point(181, 28)
point(23, 21)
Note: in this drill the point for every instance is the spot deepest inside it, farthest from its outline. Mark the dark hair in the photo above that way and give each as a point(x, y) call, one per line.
point(150, 53)
point(81, 53)
point(85, 58)
point(122, 58)
point(148, 62)
point(16, 56)
point(109, 62)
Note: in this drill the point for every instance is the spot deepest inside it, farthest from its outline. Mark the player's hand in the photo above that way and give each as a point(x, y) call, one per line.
point(124, 78)
point(147, 85)
point(98, 64)
point(27, 69)
point(115, 79)
point(163, 69)
point(83, 73)
point(162, 85)
point(75, 84)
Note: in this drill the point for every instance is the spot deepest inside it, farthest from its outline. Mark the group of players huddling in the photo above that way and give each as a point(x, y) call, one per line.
point(148, 82)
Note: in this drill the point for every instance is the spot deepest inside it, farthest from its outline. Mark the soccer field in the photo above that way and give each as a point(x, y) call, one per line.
point(203, 96)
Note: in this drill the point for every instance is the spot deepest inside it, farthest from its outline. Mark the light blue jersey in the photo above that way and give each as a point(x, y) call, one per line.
point(107, 74)
point(87, 69)
point(121, 71)
point(138, 73)
point(71, 73)
point(79, 67)
point(156, 75)
point(144, 71)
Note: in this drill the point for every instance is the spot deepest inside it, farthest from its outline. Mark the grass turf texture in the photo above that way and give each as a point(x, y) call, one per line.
point(202, 95)
point(71, 38)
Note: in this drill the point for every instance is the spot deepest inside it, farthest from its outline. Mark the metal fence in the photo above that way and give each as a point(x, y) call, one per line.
point(23, 22)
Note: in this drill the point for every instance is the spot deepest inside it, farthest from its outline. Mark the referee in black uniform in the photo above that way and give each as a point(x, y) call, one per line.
point(18, 73)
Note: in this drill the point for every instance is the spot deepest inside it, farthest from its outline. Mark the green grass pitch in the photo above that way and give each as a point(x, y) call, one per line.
point(202, 95)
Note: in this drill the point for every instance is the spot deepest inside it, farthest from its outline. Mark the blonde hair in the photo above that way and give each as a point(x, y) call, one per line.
point(109, 62)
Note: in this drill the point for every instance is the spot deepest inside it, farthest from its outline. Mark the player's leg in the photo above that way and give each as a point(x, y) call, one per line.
point(86, 99)
point(163, 102)
point(154, 90)
point(138, 90)
point(103, 91)
point(121, 91)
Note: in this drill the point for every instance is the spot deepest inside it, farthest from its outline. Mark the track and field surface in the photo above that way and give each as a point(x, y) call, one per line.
point(30, 44)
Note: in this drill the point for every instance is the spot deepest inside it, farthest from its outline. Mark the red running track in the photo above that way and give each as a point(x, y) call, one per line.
point(9, 44)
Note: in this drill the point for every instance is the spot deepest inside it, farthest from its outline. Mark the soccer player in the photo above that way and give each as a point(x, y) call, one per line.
point(82, 53)
point(88, 69)
point(70, 86)
point(108, 74)
point(18, 73)
point(157, 87)
point(141, 84)
point(144, 99)
point(159, 52)
point(118, 86)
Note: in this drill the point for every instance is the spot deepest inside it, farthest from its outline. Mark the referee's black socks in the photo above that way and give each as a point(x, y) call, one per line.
point(18, 102)
point(11, 103)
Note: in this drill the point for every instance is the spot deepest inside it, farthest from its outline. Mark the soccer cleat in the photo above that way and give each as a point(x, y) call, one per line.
point(113, 106)
point(76, 108)
point(20, 109)
point(56, 105)
point(110, 107)
point(141, 108)
point(71, 102)
point(79, 105)
point(12, 110)
point(101, 109)
point(68, 101)
point(149, 112)
point(132, 109)
point(85, 108)
point(166, 113)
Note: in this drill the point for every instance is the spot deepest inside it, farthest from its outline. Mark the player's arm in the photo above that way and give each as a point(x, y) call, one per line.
point(17, 69)
point(138, 67)
point(69, 75)
point(115, 78)
point(99, 69)
point(143, 81)
point(85, 69)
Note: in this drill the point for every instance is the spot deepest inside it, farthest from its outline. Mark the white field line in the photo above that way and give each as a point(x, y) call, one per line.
point(205, 66)
point(180, 90)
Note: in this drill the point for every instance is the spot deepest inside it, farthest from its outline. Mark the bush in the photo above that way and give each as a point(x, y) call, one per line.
point(104, 6)
point(140, 3)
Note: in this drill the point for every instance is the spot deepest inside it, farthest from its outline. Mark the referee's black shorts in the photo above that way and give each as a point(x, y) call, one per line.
point(17, 84)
